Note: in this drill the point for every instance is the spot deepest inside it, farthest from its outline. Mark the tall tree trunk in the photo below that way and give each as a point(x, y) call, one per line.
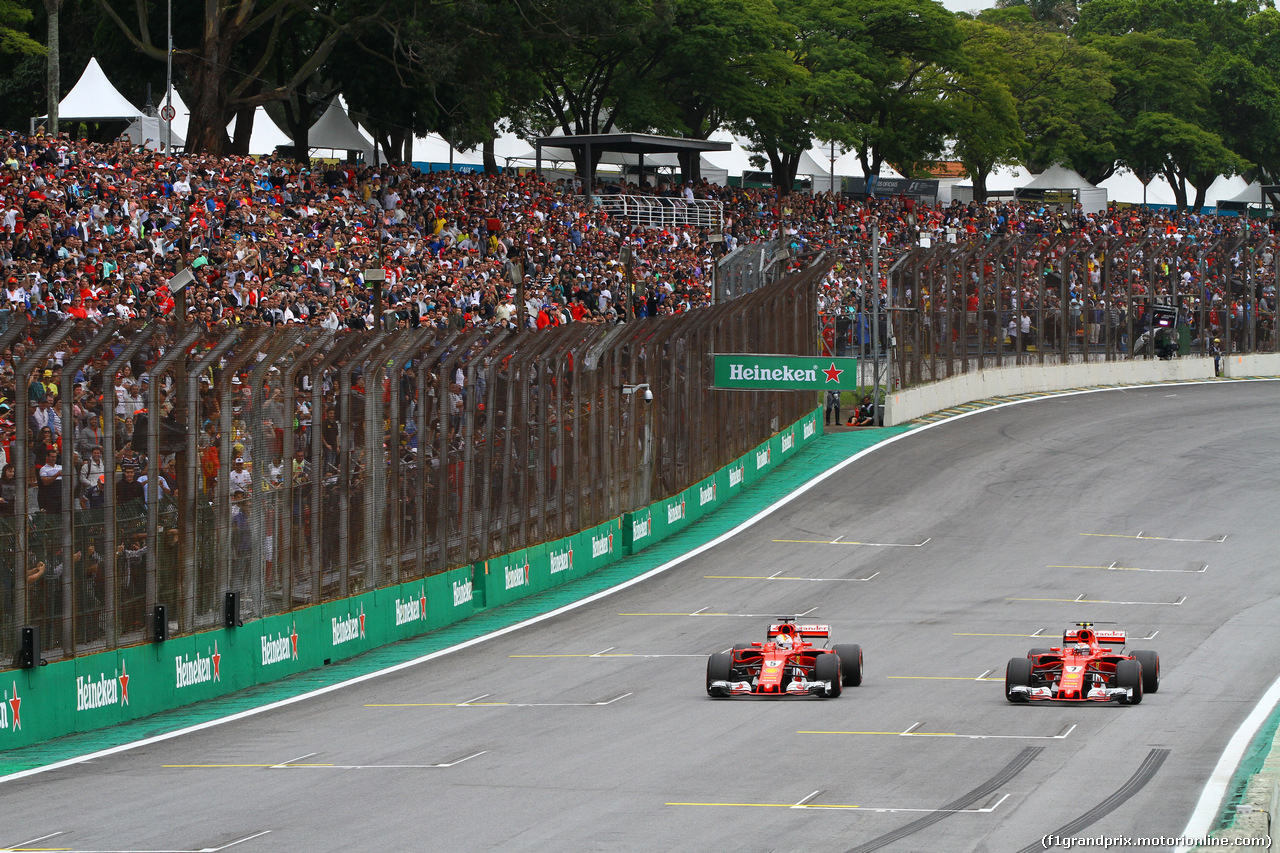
point(207, 130)
point(243, 131)
point(53, 76)
point(490, 156)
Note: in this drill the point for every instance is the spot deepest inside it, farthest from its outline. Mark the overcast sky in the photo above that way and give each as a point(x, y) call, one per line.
point(968, 5)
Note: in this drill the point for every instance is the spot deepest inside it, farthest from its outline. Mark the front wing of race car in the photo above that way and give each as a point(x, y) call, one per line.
point(1096, 694)
point(795, 687)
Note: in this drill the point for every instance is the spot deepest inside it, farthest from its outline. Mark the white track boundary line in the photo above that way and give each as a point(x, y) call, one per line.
point(1210, 802)
point(627, 584)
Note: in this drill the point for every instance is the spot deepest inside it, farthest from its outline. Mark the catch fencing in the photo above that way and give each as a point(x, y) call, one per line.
point(958, 308)
point(293, 465)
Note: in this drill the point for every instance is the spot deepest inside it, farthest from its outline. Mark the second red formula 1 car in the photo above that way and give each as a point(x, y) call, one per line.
point(1083, 670)
point(785, 664)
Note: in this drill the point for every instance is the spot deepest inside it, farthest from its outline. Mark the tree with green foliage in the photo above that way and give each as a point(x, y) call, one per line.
point(220, 71)
point(796, 99)
point(898, 115)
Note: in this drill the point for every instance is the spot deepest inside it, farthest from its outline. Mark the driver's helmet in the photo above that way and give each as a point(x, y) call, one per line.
point(1082, 648)
point(783, 640)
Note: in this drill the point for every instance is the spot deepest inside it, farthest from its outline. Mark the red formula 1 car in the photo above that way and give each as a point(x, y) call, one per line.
point(1083, 670)
point(785, 664)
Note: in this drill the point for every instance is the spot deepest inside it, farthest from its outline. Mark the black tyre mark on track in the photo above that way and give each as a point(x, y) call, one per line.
point(1148, 769)
point(986, 789)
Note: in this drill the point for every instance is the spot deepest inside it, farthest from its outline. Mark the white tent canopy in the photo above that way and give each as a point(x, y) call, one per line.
point(1058, 178)
point(150, 131)
point(336, 131)
point(266, 136)
point(93, 98)
point(1251, 194)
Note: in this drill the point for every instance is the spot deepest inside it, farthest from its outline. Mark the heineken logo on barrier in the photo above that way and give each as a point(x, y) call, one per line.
point(763, 457)
point(411, 610)
point(461, 593)
point(785, 373)
point(675, 512)
point(105, 691)
point(283, 647)
point(11, 710)
point(809, 427)
point(562, 561)
point(735, 475)
point(348, 627)
point(198, 670)
point(601, 545)
point(706, 494)
point(641, 527)
point(788, 441)
point(517, 576)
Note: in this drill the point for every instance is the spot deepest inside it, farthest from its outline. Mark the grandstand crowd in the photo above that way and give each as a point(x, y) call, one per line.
point(94, 231)
point(90, 230)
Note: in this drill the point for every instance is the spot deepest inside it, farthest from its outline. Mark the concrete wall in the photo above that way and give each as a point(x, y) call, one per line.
point(1251, 365)
point(911, 403)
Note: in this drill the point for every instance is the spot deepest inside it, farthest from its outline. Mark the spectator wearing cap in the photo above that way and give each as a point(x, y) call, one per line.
point(240, 477)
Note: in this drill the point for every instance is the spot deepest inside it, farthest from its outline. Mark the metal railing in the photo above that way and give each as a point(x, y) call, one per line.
point(957, 308)
point(748, 268)
point(662, 212)
point(297, 466)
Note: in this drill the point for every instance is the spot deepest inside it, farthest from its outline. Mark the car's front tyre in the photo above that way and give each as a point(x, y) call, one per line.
point(1017, 674)
point(827, 668)
point(719, 668)
point(850, 655)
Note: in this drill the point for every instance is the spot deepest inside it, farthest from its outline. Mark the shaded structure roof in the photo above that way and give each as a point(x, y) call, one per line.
point(640, 144)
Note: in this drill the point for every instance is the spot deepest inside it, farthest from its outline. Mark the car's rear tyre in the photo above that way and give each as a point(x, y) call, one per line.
point(1129, 676)
point(827, 668)
point(850, 655)
point(719, 668)
point(1150, 669)
point(1037, 652)
point(1017, 674)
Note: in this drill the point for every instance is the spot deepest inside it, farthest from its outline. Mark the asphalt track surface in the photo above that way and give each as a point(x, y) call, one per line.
point(942, 553)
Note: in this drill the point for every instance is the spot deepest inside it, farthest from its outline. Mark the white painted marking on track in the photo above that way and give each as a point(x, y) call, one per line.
point(984, 675)
point(237, 841)
point(800, 804)
point(698, 611)
point(598, 654)
point(284, 764)
point(836, 541)
point(477, 699)
point(33, 840)
point(746, 524)
point(1206, 811)
point(912, 728)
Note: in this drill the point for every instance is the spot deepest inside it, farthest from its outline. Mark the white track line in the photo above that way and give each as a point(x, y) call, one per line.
point(582, 602)
point(1210, 802)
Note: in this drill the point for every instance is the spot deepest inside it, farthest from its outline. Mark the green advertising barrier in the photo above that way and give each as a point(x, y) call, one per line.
point(759, 462)
point(704, 497)
point(452, 596)
point(669, 516)
point(349, 628)
point(510, 576)
point(99, 690)
point(287, 644)
point(597, 547)
point(637, 530)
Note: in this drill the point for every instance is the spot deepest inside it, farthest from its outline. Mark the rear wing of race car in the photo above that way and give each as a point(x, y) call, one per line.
point(1104, 637)
point(806, 632)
